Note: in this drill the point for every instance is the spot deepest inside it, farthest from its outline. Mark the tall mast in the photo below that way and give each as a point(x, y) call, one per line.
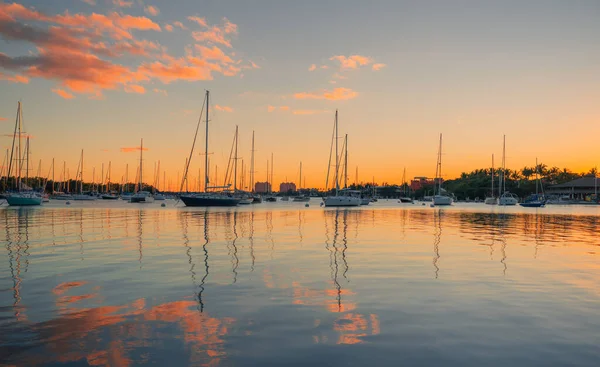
point(536, 176)
point(272, 164)
point(337, 182)
point(503, 182)
point(65, 176)
point(268, 187)
point(81, 173)
point(141, 152)
point(126, 176)
point(492, 175)
point(235, 159)
point(19, 151)
point(300, 178)
point(108, 180)
point(27, 161)
point(440, 167)
point(346, 162)
point(252, 165)
point(206, 180)
point(53, 182)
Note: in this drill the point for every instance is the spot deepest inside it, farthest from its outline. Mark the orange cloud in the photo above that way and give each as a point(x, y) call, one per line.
point(168, 28)
point(214, 53)
point(200, 21)
point(90, 2)
point(180, 25)
point(313, 67)
point(377, 67)
point(122, 3)
point(64, 94)
point(284, 108)
point(223, 108)
point(271, 108)
point(131, 149)
point(162, 91)
point(3, 119)
point(336, 95)
point(308, 112)
point(352, 62)
point(152, 10)
point(132, 88)
point(216, 34)
point(13, 78)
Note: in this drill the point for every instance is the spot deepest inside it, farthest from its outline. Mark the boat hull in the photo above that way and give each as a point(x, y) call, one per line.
point(141, 200)
point(406, 200)
point(491, 201)
point(342, 201)
point(209, 201)
point(301, 199)
point(109, 197)
point(534, 204)
point(508, 201)
point(23, 200)
point(246, 201)
point(365, 201)
point(441, 200)
point(257, 200)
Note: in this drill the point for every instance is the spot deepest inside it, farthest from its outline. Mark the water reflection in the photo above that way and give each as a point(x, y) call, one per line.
point(86, 286)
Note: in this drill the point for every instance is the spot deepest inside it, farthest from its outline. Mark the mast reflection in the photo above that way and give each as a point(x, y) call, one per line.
point(437, 237)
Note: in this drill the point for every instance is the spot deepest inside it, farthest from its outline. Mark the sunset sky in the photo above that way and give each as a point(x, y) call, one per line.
point(99, 75)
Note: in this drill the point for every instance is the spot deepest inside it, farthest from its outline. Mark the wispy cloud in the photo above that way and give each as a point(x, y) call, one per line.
point(377, 67)
point(335, 95)
point(63, 93)
point(223, 108)
point(152, 10)
point(90, 2)
point(15, 78)
point(271, 108)
point(352, 62)
point(308, 112)
point(168, 28)
point(217, 34)
point(161, 91)
point(179, 24)
point(122, 3)
point(3, 119)
point(133, 88)
point(201, 21)
point(313, 67)
point(284, 108)
point(131, 149)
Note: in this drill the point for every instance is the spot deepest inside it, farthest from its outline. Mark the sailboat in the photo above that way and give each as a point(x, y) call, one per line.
point(506, 198)
point(492, 200)
point(439, 198)
point(342, 197)
point(206, 198)
point(536, 200)
point(301, 198)
point(22, 197)
point(109, 195)
point(82, 196)
point(158, 195)
point(256, 198)
point(405, 198)
point(141, 196)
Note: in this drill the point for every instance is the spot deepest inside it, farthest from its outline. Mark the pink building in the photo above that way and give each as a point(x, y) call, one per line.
point(287, 186)
point(262, 187)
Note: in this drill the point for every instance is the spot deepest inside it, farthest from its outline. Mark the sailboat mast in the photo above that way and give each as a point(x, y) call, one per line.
point(536, 176)
point(272, 164)
point(492, 175)
point(206, 180)
point(235, 160)
point(503, 183)
point(337, 182)
point(27, 161)
point(252, 165)
point(300, 178)
point(19, 151)
point(108, 180)
point(268, 187)
point(440, 167)
point(53, 182)
point(346, 162)
point(141, 152)
point(81, 173)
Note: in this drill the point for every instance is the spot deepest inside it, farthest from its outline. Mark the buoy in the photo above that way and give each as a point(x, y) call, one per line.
point(163, 205)
point(306, 205)
point(68, 203)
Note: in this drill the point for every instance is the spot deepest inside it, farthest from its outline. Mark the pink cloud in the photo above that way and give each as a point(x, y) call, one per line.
point(335, 95)
point(284, 108)
point(90, 2)
point(352, 62)
point(16, 78)
point(64, 94)
point(217, 34)
point(132, 88)
point(214, 53)
point(161, 91)
point(180, 25)
point(122, 3)
point(313, 67)
point(200, 21)
point(168, 28)
point(271, 108)
point(132, 149)
point(3, 118)
point(223, 108)
point(152, 10)
point(377, 67)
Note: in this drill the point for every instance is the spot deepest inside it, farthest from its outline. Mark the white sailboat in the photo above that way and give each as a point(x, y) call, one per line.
point(492, 200)
point(141, 196)
point(506, 198)
point(439, 198)
point(343, 197)
point(24, 195)
point(405, 198)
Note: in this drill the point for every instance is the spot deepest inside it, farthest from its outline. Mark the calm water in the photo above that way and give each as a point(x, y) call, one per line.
point(280, 284)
